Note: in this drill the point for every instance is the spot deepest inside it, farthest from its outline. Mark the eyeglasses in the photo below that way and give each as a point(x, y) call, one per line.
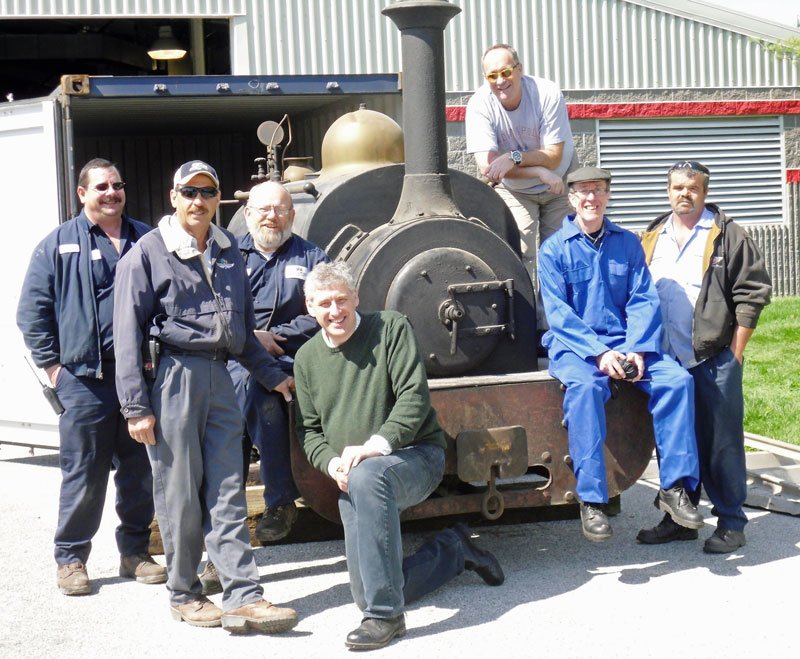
point(280, 211)
point(190, 192)
point(117, 185)
point(505, 74)
point(690, 164)
point(597, 192)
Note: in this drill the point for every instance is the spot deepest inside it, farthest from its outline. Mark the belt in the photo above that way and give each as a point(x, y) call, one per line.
point(214, 355)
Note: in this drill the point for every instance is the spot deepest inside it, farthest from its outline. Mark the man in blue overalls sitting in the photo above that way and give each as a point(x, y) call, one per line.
point(604, 317)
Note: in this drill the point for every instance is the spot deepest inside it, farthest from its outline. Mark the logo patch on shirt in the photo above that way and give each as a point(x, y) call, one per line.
point(96, 255)
point(69, 248)
point(717, 260)
point(295, 272)
point(224, 264)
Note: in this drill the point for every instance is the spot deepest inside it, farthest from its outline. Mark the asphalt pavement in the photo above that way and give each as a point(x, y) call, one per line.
point(563, 596)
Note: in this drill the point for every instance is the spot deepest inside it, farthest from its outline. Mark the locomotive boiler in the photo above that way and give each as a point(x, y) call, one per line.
point(442, 248)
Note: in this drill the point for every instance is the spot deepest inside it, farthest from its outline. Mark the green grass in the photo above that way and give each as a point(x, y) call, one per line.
point(772, 373)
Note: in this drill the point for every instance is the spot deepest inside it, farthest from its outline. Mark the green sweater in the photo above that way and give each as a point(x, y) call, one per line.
point(372, 384)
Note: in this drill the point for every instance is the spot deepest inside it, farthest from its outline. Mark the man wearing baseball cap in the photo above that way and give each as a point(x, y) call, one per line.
point(605, 318)
point(183, 297)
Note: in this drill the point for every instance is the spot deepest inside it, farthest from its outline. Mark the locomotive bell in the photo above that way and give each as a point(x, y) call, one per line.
point(361, 140)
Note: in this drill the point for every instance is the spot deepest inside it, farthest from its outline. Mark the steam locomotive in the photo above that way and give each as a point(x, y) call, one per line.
point(442, 248)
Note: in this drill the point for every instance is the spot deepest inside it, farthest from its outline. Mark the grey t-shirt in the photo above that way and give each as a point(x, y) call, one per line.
point(541, 119)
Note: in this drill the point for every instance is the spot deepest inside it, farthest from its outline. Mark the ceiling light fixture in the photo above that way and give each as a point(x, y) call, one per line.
point(166, 46)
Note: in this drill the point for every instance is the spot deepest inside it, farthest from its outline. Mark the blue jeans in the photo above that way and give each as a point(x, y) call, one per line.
point(93, 437)
point(671, 392)
point(719, 426)
point(379, 489)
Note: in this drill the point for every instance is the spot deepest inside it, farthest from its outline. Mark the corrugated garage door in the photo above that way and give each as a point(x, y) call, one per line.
point(743, 154)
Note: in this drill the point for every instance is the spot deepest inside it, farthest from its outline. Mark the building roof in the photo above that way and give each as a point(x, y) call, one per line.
point(723, 17)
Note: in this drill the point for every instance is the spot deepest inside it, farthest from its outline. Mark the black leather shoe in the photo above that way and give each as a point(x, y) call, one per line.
point(595, 522)
point(374, 633)
point(482, 562)
point(676, 502)
point(276, 522)
point(666, 531)
point(724, 541)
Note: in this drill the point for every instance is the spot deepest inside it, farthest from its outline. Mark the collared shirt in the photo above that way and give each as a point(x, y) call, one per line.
point(104, 258)
point(187, 243)
point(678, 274)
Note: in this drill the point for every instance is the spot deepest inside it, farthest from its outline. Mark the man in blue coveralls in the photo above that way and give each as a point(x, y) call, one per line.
point(65, 314)
point(604, 315)
point(185, 286)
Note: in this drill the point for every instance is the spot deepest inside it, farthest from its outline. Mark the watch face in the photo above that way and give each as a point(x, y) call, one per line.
point(516, 156)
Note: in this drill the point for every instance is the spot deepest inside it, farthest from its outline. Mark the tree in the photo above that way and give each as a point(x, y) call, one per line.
point(783, 49)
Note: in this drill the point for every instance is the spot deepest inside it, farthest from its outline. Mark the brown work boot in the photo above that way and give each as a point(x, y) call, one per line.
point(261, 616)
point(73, 579)
point(209, 580)
point(201, 612)
point(143, 568)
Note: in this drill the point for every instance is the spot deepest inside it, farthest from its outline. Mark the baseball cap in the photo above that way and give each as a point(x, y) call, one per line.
point(192, 168)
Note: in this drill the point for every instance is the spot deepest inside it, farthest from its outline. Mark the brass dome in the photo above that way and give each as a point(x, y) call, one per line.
point(361, 140)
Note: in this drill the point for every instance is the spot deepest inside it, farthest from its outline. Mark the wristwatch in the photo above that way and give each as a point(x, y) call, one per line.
point(516, 156)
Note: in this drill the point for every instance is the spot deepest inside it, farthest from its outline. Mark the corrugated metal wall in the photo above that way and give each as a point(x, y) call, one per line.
point(780, 245)
point(110, 9)
point(581, 44)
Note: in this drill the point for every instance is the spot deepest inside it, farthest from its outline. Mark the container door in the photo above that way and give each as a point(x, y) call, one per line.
point(30, 209)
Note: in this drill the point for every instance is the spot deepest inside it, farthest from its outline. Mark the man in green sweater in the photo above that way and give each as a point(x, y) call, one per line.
point(364, 417)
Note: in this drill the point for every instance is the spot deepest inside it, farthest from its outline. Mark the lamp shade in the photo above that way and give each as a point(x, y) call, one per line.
point(166, 46)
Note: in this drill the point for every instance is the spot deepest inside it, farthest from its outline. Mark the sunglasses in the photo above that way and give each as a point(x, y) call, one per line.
point(690, 164)
point(190, 192)
point(505, 74)
point(117, 185)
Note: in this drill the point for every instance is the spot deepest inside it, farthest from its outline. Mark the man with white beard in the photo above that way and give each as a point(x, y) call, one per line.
point(277, 262)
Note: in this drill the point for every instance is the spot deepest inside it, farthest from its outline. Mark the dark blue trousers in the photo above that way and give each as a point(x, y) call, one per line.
point(267, 423)
point(719, 426)
point(268, 426)
point(94, 436)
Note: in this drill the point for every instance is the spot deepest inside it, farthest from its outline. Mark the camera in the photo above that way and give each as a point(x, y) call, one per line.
point(629, 367)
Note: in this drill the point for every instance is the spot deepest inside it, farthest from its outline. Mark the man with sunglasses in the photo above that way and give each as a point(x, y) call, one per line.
point(185, 286)
point(713, 284)
point(65, 314)
point(605, 321)
point(518, 131)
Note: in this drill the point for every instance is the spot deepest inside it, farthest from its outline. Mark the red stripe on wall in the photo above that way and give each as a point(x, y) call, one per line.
point(679, 109)
point(455, 112)
point(793, 175)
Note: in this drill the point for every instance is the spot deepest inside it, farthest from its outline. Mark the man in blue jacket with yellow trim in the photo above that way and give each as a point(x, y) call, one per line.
point(604, 318)
point(65, 314)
